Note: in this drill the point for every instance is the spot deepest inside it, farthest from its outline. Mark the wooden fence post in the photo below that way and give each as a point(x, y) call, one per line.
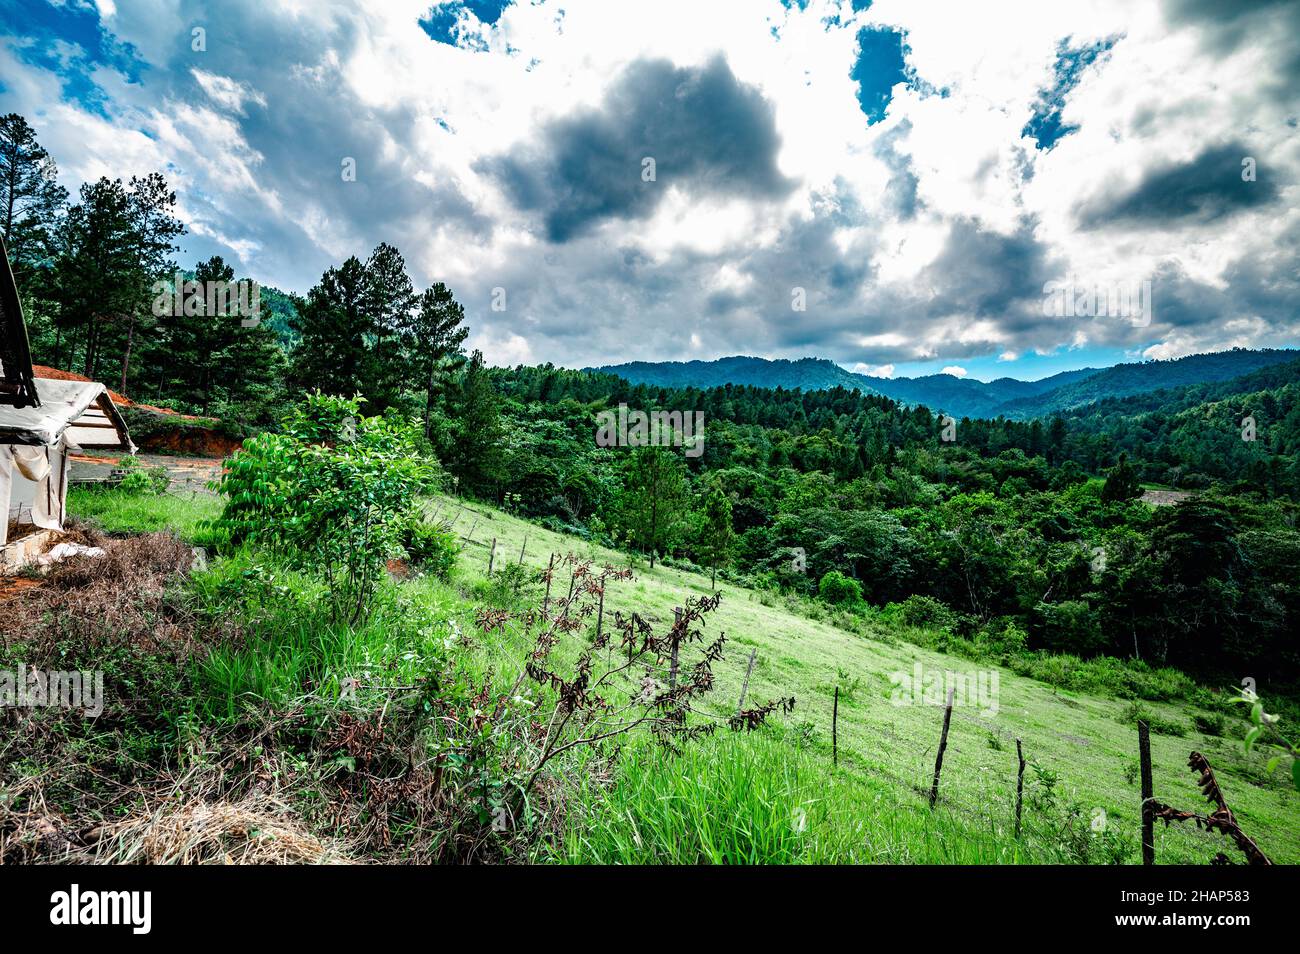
point(835, 729)
point(1020, 784)
point(546, 601)
point(522, 549)
point(744, 686)
point(492, 556)
point(1148, 810)
point(943, 744)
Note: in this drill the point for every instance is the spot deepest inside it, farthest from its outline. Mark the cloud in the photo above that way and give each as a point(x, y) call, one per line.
point(919, 175)
point(227, 93)
point(660, 127)
point(1206, 188)
point(955, 370)
point(883, 371)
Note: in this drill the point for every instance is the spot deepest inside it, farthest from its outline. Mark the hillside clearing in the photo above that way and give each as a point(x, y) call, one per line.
point(1084, 739)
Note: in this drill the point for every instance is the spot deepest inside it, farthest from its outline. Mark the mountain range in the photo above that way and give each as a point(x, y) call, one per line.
point(961, 397)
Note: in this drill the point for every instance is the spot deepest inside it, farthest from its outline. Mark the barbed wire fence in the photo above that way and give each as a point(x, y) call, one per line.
point(1000, 805)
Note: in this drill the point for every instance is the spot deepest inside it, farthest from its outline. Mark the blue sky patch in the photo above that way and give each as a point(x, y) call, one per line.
point(441, 20)
point(881, 64)
point(1046, 125)
point(71, 42)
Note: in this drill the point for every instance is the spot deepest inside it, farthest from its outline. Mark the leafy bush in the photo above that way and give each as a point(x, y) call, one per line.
point(923, 612)
point(330, 495)
point(1210, 724)
point(1002, 638)
point(430, 547)
point(835, 587)
point(142, 480)
point(1135, 712)
point(1070, 626)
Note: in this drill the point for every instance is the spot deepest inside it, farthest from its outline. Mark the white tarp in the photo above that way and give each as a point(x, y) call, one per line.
point(62, 403)
point(34, 483)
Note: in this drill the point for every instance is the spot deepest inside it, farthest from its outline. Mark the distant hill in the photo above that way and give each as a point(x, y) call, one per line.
point(808, 374)
point(1124, 380)
point(960, 397)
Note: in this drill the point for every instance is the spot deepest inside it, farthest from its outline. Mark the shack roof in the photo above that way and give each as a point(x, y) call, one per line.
point(80, 409)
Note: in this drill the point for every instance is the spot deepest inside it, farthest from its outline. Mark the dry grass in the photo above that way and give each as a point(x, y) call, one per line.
point(120, 596)
point(257, 830)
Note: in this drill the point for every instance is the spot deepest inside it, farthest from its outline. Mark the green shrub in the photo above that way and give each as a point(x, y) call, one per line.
point(330, 495)
point(1210, 724)
point(140, 479)
point(837, 588)
point(1135, 712)
point(1070, 626)
point(430, 547)
point(924, 612)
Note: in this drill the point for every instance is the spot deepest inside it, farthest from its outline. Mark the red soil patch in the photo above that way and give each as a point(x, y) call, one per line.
point(43, 371)
point(203, 441)
point(11, 586)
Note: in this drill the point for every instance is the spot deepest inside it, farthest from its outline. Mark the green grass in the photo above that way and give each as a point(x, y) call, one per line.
point(774, 795)
point(1085, 739)
point(117, 512)
point(757, 800)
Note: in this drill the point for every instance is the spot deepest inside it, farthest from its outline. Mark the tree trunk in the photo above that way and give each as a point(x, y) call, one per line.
point(126, 357)
point(428, 405)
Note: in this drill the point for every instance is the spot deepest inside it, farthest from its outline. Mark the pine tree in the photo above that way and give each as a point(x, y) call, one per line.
point(389, 299)
point(333, 323)
point(1121, 483)
point(478, 456)
point(718, 536)
point(31, 199)
point(432, 346)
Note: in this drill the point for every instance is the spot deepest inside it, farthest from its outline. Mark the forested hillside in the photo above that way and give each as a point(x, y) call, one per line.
point(1000, 532)
point(962, 397)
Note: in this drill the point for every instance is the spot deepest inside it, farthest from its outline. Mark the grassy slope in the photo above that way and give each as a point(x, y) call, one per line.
point(1079, 737)
point(124, 513)
point(774, 795)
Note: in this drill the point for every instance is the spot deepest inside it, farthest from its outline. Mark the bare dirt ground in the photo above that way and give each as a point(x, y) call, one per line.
point(1164, 498)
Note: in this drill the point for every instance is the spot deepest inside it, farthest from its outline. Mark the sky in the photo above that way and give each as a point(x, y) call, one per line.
point(901, 186)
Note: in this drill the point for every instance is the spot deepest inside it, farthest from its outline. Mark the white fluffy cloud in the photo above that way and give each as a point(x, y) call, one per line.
point(927, 234)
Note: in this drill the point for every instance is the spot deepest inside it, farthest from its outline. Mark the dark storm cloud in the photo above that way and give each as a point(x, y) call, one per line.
point(1205, 189)
point(705, 130)
point(1227, 25)
point(985, 274)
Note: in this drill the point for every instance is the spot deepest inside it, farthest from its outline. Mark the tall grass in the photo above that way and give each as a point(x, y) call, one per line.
point(755, 799)
point(117, 512)
point(291, 650)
